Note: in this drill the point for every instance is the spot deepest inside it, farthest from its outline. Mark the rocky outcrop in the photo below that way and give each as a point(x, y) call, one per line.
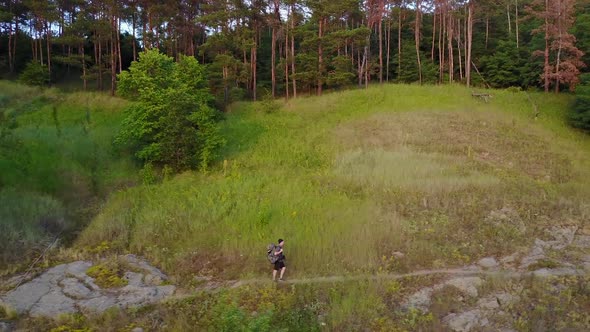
point(67, 288)
point(520, 264)
point(421, 300)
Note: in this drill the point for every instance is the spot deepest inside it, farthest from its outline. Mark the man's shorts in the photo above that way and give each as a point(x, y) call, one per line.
point(279, 265)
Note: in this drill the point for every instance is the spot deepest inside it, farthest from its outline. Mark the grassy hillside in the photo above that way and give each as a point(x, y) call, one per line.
point(56, 164)
point(350, 178)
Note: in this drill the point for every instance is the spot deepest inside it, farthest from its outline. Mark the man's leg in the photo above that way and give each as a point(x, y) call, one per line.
point(282, 272)
point(274, 274)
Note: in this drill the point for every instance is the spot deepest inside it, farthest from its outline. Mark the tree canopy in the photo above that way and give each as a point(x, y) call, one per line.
point(171, 121)
point(289, 47)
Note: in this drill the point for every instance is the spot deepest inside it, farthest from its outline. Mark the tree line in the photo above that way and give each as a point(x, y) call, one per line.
point(293, 47)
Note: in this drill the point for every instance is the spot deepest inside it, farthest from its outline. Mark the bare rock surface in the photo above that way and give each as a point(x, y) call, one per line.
point(67, 288)
point(422, 299)
point(488, 262)
point(466, 321)
point(467, 285)
point(489, 308)
point(6, 327)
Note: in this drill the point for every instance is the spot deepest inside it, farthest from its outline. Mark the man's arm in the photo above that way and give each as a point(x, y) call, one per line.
point(278, 252)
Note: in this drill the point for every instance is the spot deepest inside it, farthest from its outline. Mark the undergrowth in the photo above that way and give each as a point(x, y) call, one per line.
point(350, 178)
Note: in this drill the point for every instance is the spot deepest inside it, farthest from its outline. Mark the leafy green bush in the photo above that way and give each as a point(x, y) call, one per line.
point(35, 74)
point(267, 103)
point(171, 122)
point(580, 112)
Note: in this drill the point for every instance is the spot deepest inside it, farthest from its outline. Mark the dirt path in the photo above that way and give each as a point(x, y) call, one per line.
point(470, 271)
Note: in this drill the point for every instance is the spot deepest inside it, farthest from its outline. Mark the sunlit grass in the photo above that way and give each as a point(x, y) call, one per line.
point(350, 177)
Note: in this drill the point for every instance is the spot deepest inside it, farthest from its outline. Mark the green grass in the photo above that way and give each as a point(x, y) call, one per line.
point(351, 177)
point(56, 165)
point(347, 179)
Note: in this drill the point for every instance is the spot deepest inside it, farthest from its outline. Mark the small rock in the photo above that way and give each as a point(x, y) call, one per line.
point(509, 259)
point(536, 254)
point(467, 285)
point(472, 268)
point(488, 262)
point(506, 298)
point(484, 322)
point(488, 303)
point(141, 264)
point(420, 300)
point(506, 216)
point(398, 254)
point(537, 251)
point(465, 321)
point(564, 235)
point(137, 329)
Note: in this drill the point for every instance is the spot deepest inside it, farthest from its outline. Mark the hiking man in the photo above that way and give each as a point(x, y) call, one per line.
point(280, 263)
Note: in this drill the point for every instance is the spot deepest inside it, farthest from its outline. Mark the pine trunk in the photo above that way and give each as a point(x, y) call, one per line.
point(10, 58)
point(286, 62)
point(433, 35)
point(14, 44)
point(509, 19)
point(320, 57)
point(487, 31)
point(133, 38)
point(417, 39)
point(399, 43)
point(81, 51)
point(272, 61)
point(380, 29)
point(450, 46)
point(387, 57)
point(469, 43)
point(458, 39)
point(113, 55)
point(516, 23)
point(559, 47)
point(546, 54)
point(293, 51)
point(48, 40)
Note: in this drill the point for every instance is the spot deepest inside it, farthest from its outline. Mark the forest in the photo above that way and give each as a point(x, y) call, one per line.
point(256, 48)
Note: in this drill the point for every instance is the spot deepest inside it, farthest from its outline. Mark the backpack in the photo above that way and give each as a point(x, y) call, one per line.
point(270, 253)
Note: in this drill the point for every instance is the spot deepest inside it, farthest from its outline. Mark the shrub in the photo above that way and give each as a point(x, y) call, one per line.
point(35, 74)
point(171, 122)
point(108, 274)
point(580, 111)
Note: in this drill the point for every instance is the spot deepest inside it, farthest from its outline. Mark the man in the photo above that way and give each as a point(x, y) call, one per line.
point(280, 263)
